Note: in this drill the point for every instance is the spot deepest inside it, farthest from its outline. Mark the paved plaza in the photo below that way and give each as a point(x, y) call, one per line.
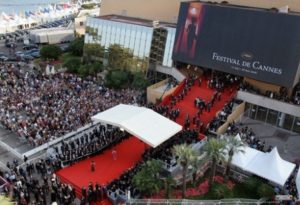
point(287, 143)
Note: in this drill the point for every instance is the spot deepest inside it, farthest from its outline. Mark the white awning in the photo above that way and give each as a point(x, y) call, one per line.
point(267, 165)
point(144, 123)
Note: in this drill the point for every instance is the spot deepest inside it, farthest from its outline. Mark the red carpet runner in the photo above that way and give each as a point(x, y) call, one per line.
point(129, 151)
point(186, 106)
point(128, 154)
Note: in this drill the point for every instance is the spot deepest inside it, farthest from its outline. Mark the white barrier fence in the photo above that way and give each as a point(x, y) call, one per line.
point(57, 140)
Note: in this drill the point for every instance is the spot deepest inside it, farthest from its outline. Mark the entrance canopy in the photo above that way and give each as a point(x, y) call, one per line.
point(267, 165)
point(144, 123)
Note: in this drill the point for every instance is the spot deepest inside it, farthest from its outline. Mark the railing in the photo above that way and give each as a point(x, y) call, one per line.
point(269, 103)
point(58, 140)
point(199, 202)
point(171, 71)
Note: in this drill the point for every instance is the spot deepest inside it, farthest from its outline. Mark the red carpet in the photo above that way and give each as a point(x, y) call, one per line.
point(129, 151)
point(128, 154)
point(186, 106)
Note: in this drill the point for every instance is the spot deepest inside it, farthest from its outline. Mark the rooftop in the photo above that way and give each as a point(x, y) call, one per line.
point(136, 21)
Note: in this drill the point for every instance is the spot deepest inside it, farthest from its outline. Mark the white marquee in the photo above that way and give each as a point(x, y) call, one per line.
point(143, 123)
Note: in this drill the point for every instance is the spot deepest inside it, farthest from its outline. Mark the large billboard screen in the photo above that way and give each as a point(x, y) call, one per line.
point(248, 42)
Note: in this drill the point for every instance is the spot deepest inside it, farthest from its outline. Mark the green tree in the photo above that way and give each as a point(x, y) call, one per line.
point(83, 70)
point(93, 50)
point(233, 146)
point(265, 191)
point(252, 183)
point(220, 191)
point(72, 64)
point(76, 46)
point(215, 152)
point(186, 157)
point(169, 182)
point(50, 52)
point(139, 80)
point(117, 78)
point(95, 68)
point(119, 57)
point(147, 180)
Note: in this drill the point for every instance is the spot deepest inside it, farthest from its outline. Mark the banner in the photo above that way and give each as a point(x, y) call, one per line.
point(255, 43)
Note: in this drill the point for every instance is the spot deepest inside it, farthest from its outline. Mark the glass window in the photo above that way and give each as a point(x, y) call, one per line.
point(113, 33)
point(253, 111)
point(127, 35)
point(122, 34)
point(143, 43)
point(272, 117)
point(137, 42)
point(108, 35)
point(132, 37)
point(296, 127)
point(261, 113)
point(288, 121)
point(104, 30)
point(148, 41)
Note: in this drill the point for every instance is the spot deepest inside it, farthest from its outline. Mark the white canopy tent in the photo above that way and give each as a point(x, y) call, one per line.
point(144, 123)
point(272, 167)
point(267, 165)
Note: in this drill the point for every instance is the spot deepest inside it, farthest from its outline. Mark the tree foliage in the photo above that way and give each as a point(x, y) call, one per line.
point(76, 47)
point(72, 64)
point(119, 57)
point(220, 191)
point(50, 52)
point(265, 191)
point(88, 6)
point(186, 157)
point(147, 180)
point(93, 50)
point(234, 146)
point(215, 149)
point(117, 78)
point(139, 80)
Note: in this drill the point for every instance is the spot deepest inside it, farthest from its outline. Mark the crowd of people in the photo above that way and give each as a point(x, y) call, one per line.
point(35, 182)
point(88, 144)
point(281, 95)
point(42, 107)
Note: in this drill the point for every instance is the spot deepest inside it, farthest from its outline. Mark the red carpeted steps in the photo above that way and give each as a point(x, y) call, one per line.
point(186, 106)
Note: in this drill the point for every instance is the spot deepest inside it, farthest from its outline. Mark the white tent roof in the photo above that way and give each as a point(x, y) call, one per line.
point(298, 183)
point(272, 167)
point(243, 159)
point(144, 123)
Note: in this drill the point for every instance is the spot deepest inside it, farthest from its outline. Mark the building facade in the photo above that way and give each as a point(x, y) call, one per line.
point(135, 34)
point(167, 10)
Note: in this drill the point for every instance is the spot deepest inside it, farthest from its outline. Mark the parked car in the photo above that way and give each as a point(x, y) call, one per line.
point(30, 46)
point(36, 54)
point(3, 58)
point(27, 57)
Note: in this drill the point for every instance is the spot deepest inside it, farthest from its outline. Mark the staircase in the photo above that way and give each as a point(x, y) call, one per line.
point(170, 71)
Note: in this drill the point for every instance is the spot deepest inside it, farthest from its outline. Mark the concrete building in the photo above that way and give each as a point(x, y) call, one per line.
point(80, 20)
point(167, 10)
point(147, 39)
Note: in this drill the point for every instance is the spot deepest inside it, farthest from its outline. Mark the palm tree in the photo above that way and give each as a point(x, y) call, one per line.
point(147, 180)
point(233, 146)
point(215, 152)
point(186, 157)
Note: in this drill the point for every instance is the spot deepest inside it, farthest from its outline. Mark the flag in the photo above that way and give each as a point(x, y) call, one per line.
point(31, 13)
point(27, 14)
point(5, 16)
